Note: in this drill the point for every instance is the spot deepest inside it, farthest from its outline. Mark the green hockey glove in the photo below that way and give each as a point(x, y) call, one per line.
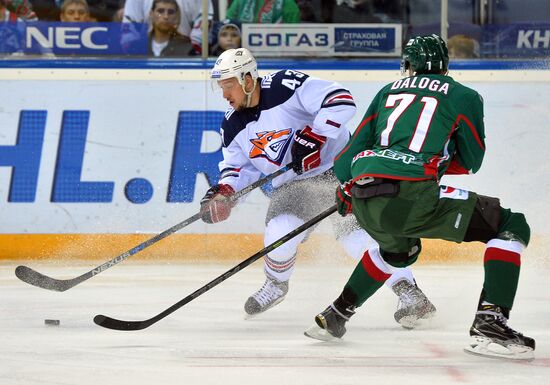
point(343, 200)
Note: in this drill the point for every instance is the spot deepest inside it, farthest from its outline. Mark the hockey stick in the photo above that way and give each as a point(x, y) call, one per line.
point(112, 323)
point(33, 277)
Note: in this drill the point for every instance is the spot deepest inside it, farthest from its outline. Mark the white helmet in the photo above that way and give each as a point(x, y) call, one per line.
point(235, 63)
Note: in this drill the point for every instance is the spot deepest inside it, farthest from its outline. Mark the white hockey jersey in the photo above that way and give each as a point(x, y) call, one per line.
point(257, 140)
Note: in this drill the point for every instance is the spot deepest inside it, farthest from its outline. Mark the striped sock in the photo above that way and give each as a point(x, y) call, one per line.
point(502, 263)
point(278, 268)
point(369, 276)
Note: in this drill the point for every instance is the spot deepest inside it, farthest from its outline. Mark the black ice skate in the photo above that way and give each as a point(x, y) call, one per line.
point(413, 305)
point(329, 324)
point(492, 337)
point(269, 295)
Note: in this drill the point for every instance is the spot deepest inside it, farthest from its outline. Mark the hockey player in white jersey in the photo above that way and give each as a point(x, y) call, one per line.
point(284, 117)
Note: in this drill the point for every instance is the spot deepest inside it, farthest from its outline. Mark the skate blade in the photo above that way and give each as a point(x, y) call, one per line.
point(414, 320)
point(317, 333)
point(251, 316)
point(409, 322)
point(485, 347)
point(248, 316)
point(429, 315)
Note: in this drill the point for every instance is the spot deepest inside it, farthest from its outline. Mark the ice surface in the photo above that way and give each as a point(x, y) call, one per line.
point(209, 342)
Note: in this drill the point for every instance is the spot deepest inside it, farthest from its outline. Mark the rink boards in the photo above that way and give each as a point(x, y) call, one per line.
point(96, 160)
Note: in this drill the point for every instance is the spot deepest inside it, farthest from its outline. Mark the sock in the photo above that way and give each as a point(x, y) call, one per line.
point(502, 263)
point(369, 276)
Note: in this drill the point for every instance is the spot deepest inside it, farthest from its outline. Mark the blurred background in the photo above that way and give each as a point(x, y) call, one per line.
point(281, 28)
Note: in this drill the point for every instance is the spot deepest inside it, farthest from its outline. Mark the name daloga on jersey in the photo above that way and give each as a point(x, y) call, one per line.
point(421, 83)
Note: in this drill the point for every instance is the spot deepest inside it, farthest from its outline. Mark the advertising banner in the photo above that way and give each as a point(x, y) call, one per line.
point(380, 40)
point(126, 155)
point(39, 38)
point(79, 153)
point(93, 160)
point(517, 40)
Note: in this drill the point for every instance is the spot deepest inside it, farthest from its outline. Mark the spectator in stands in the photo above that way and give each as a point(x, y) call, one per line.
point(391, 11)
point(462, 46)
point(349, 11)
point(307, 11)
point(104, 10)
point(137, 11)
point(228, 35)
point(13, 15)
point(5, 14)
point(119, 14)
point(46, 10)
point(13, 10)
point(10, 37)
point(164, 38)
point(264, 11)
point(75, 11)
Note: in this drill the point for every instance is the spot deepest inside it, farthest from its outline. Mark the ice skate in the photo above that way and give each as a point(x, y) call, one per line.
point(270, 294)
point(492, 337)
point(329, 325)
point(413, 304)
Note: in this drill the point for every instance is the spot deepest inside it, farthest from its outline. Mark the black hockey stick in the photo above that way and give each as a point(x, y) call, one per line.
point(33, 277)
point(112, 323)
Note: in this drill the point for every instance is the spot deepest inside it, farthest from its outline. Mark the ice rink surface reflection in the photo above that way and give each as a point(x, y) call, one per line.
point(209, 342)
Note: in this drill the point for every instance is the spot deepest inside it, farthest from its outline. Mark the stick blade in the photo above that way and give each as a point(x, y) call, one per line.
point(33, 277)
point(115, 324)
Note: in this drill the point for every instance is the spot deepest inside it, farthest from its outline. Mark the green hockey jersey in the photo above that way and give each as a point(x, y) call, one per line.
point(417, 128)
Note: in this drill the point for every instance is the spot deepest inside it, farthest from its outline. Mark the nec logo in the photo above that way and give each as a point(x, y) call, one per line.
point(65, 37)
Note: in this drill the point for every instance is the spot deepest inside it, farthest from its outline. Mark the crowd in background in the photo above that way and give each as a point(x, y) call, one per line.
point(174, 26)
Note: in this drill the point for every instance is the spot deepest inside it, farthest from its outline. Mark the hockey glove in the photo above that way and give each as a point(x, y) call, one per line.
point(343, 201)
point(306, 150)
point(216, 204)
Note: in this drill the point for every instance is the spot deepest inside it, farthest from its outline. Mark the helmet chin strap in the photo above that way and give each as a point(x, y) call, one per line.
point(249, 94)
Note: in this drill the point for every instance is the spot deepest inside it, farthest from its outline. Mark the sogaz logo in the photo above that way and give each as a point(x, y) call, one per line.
point(290, 39)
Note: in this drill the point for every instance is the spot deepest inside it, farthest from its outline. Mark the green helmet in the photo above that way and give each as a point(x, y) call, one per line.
point(425, 54)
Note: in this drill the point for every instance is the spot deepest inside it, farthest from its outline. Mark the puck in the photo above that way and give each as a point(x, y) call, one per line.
point(53, 322)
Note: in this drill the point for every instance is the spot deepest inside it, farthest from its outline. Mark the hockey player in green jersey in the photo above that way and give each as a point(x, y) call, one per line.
point(416, 130)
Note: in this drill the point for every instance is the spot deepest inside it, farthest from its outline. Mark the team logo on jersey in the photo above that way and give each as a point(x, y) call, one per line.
point(452, 193)
point(267, 80)
point(271, 145)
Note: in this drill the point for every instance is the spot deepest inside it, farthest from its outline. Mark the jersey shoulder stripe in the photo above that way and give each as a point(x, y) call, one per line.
point(338, 97)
